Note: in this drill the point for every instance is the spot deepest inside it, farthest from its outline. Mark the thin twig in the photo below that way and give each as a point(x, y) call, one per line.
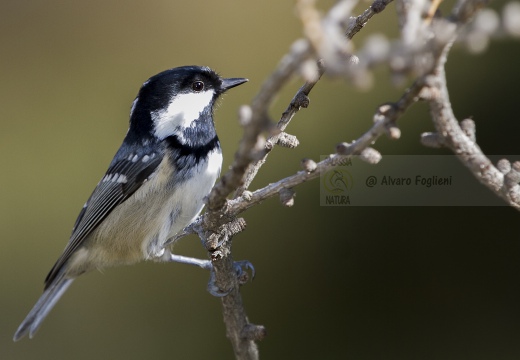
point(385, 117)
point(212, 227)
point(217, 226)
point(357, 23)
point(300, 99)
point(456, 136)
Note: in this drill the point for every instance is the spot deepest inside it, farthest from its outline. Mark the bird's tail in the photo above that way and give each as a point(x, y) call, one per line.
point(41, 309)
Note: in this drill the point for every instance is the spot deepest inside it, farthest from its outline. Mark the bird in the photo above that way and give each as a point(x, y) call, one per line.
point(154, 187)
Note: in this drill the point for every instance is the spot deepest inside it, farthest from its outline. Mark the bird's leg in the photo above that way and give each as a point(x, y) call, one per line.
point(204, 264)
point(213, 289)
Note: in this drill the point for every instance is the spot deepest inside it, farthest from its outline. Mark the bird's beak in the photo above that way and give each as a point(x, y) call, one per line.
point(231, 83)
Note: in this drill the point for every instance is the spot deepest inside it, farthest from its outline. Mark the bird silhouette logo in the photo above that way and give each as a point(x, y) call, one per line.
point(338, 181)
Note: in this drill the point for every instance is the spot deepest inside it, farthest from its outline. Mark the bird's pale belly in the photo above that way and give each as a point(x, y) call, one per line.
point(142, 230)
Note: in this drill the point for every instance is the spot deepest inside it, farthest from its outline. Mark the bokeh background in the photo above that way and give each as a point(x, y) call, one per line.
point(332, 282)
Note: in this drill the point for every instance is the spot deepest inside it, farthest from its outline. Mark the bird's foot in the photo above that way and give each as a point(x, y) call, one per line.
point(240, 268)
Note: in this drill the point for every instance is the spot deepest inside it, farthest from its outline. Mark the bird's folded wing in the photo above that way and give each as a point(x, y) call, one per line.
point(122, 179)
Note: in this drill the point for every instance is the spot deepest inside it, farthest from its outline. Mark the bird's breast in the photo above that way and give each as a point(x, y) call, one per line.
point(163, 206)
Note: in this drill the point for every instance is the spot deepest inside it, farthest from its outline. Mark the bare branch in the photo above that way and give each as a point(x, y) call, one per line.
point(460, 138)
point(464, 147)
point(212, 227)
point(385, 119)
point(257, 121)
point(424, 47)
point(386, 116)
point(357, 23)
point(301, 99)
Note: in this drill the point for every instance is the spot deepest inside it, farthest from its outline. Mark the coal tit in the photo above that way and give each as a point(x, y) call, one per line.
point(154, 187)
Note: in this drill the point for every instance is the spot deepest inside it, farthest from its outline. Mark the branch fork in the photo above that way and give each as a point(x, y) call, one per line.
point(425, 43)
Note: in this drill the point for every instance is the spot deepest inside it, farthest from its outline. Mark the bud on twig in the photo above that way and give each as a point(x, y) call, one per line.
point(287, 197)
point(383, 112)
point(342, 148)
point(247, 195)
point(430, 139)
point(393, 132)
point(370, 155)
point(512, 178)
point(504, 166)
point(309, 165)
point(469, 128)
point(287, 140)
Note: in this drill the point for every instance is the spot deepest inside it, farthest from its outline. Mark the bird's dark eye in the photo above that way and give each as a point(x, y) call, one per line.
point(197, 86)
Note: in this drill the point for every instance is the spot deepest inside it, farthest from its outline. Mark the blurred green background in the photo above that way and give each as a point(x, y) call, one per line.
point(332, 282)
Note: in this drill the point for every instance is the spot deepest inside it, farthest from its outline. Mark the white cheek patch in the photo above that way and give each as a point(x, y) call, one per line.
point(214, 163)
point(181, 112)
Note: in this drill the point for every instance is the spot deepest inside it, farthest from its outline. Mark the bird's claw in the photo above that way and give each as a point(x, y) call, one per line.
point(212, 287)
point(242, 275)
point(241, 268)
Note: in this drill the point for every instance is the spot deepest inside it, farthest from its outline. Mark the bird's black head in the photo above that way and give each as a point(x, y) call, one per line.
point(178, 99)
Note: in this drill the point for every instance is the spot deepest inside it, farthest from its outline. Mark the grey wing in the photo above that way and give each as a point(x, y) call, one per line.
point(121, 180)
